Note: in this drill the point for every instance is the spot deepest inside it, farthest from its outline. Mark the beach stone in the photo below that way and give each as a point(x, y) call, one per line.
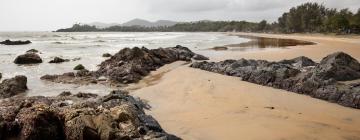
point(32, 51)
point(13, 86)
point(58, 60)
point(28, 58)
point(200, 57)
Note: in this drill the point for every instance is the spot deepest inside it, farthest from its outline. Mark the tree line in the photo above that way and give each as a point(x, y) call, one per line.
point(305, 18)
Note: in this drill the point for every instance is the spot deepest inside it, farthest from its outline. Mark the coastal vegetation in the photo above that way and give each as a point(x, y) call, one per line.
point(305, 18)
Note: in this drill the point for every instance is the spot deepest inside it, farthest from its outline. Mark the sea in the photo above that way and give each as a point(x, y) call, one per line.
point(87, 49)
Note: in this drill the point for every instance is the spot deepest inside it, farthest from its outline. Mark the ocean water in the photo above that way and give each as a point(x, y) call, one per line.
point(89, 47)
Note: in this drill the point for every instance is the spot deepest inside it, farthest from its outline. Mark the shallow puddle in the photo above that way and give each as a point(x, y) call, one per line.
point(256, 43)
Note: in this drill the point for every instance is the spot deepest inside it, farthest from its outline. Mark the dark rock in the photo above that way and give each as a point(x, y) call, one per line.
point(58, 60)
point(129, 65)
point(86, 95)
point(220, 48)
point(32, 51)
point(79, 67)
point(320, 81)
point(339, 66)
point(13, 86)
point(28, 58)
point(106, 55)
point(200, 57)
point(116, 116)
point(9, 42)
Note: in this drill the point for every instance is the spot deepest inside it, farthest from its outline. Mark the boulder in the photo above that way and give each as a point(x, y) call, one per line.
point(28, 58)
point(9, 42)
point(339, 66)
point(58, 60)
point(13, 86)
point(79, 67)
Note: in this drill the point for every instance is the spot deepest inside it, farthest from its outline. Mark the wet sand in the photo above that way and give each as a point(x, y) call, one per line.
point(196, 104)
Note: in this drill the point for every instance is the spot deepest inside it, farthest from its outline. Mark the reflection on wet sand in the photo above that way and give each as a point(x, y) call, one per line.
point(262, 42)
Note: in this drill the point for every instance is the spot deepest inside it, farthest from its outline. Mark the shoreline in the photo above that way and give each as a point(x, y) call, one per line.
point(195, 104)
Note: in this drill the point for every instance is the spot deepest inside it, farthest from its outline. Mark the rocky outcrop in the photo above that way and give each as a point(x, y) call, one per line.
point(58, 60)
point(339, 66)
point(300, 75)
point(129, 65)
point(28, 58)
point(9, 42)
point(78, 117)
point(13, 86)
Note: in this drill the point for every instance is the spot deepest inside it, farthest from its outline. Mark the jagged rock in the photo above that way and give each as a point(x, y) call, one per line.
point(13, 86)
point(79, 67)
point(58, 60)
point(106, 55)
point(115, 116)
point(319, 81)
point(128, 65)
point(32, 51)
point(339, 66)
point(28, 58)
point(9, 42)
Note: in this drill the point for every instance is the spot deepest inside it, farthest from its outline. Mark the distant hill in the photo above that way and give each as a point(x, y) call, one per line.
point(136, 22)
point(145, 23)
point(103, 25)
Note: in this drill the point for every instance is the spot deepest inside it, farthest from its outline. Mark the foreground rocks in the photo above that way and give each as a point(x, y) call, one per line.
point(13, 86)
point(128, 65)
point(328, 80)
point(28, 58)
point(78, 117)
point(9, 42)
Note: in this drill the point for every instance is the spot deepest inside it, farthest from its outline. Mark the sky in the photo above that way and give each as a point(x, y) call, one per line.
point(49, 15)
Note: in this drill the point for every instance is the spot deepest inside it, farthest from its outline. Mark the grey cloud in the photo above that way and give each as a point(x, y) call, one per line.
point(54, 14)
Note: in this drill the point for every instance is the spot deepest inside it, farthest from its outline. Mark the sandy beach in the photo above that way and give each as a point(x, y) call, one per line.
point(196, 104)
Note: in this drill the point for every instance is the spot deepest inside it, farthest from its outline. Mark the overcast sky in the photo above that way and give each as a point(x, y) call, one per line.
point(47, 15)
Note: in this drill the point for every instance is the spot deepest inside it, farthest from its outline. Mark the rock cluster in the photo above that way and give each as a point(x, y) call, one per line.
point(78, 117)
point(9, 42)
point(13, 86)
point(129, 65)
point(300, 75)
